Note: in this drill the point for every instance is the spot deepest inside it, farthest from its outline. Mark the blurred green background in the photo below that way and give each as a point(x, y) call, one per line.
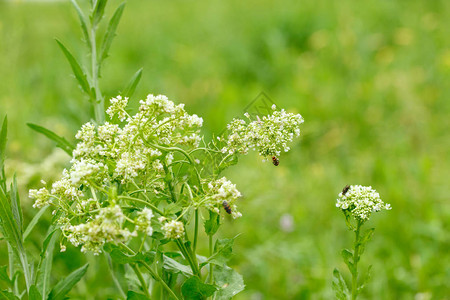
point(371, 78)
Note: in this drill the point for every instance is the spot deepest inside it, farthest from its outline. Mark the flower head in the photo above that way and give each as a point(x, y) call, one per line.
point(269, 135)
point(173, 229)
point(360, 201)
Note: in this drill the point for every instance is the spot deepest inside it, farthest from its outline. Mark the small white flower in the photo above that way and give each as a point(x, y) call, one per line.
point(361, 201)
point(173, 229)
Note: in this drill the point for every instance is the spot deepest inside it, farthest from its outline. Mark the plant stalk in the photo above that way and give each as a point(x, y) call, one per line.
point(355, 262)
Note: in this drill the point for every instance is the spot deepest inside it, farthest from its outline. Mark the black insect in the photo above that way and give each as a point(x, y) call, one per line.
point(275, 161)
point(226, 206)
point(345, 190)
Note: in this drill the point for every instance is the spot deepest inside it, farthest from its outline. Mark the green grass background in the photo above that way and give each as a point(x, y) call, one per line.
point(371, 78)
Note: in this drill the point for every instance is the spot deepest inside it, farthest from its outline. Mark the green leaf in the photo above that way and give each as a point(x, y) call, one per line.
point(77, 71)
point(42, 279)
point(365, 237)
point(173, 266)
point(15, 205)
point(98, 12)
point(65, 285)
point(111, 32)
point(121, 258)
point(34, 221)
point(60, 141)
point(83, 24)
point(131, 87)
point(212, 224)
point(194, 289)
point(348, 259)
point(7, 295)
point(135, 296)
point(229, 281)
point(339, 286)
point(365, 280)
point(34, 294)
point(11, 232)
point(4, 276)
point(222, 252)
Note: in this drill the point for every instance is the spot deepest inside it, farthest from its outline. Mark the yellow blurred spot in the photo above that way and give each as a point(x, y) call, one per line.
point(319, 39)
point(445, 59)
point(429, 21)
point(404, 36)
point(385, 55)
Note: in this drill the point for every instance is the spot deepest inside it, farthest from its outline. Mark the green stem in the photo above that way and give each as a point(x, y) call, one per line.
point(355, 262)
point(116, 282)
point(143, 202)
point(141, 279)
point(194, 246)
point(211, 278)
point(153, 273)
point(158, 278)
point(98, 101)
point(187, 255)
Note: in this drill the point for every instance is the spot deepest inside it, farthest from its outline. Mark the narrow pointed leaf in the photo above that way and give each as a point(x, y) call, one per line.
point(348, 259)
point(34, 221)
point(98, 12)
point(65, 285)
point(42, 279)
point(15, 205)
point(11, 232)
point(77, 71)
point(339, 286)
point(60, 141)
point(131, 87)
point(83, 23)
point(111, 32)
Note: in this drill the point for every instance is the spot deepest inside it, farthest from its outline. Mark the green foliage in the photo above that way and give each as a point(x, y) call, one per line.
point(339, 286)
point(60, 141)
point(77, 71)
point(379, 108)
point(229, 282)
point(194, 289)
point(65, 285)
point(131, 87)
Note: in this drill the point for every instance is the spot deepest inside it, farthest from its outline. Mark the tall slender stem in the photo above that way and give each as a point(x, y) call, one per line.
point(116, 282)
point(211, 278)
point(194, 247)
point(141, 279)
point(98, 101)
point(152, 272)
point(355, 262)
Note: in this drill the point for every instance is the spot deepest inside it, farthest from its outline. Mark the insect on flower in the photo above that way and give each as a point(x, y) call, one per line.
point(275, 161)
point(345, 189)
point(227, 207)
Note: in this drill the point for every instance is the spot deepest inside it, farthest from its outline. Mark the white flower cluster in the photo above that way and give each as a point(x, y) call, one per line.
point(109, 153)
point(173, 230)
point(143, 221)
point(269, 135)
point(106, 227)
point(361, 201)
point(220, 191)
